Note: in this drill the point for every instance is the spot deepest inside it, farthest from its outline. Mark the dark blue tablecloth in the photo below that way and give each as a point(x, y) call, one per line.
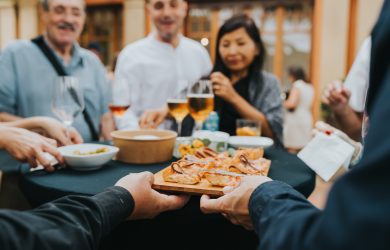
point(187, 226)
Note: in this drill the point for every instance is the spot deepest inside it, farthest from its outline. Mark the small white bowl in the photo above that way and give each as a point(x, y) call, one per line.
point(218, 139)
point(88, 161)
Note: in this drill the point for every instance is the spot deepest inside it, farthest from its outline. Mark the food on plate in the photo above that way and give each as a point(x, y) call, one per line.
point(189, 149)
point(223, 179)
point(182, 172)
point(97, 151)
point(219, 169)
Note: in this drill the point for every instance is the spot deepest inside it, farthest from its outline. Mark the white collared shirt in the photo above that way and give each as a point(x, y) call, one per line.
point(358, 77)
point(154, 70)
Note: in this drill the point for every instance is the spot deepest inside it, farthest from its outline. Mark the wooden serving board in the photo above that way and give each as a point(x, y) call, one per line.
point(203, 187)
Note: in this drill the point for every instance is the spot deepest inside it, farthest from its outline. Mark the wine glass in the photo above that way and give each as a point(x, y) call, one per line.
point(67, 99)
point(178, 106)
point(121, 99)
point(200, 101)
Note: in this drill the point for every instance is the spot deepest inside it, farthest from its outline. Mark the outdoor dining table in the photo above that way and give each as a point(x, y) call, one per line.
point(187, 228)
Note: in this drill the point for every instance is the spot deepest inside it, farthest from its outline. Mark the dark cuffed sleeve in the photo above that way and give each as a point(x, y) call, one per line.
point(280, 216)
point(71, 222)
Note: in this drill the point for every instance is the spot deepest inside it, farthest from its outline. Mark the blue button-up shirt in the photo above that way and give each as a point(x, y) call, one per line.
point(27, 78)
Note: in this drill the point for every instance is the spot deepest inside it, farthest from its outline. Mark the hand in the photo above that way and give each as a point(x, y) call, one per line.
point(107, 125)
point(56, 130)
point(222, 86)
point(153, 118)
point(337, 97)
point(148, 202)
point(234, 204)
point(29, 147)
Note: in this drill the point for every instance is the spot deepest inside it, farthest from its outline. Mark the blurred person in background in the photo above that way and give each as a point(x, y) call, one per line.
point(347, 101)
point(356, 213)
point(241, 87)
point(298, 121)
point(28, 76)
point(160, 65)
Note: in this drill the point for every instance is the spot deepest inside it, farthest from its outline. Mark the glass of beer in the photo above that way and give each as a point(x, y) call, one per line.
point(245, 127)
point(121, 99)
point(200, 101)
point(178, 108)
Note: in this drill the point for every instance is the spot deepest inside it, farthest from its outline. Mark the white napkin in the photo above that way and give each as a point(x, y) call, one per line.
point(49, 157)
point(325, 154)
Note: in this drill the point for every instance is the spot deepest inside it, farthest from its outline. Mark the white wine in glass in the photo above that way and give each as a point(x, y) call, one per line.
point(178, 109)
point(200, 102)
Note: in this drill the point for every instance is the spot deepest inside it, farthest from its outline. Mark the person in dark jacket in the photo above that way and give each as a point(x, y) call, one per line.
point(76, 222)
point(356, 215)
point(241, 87)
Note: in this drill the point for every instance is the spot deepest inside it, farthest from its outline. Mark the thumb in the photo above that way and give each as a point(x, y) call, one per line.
point(148, 176)
point(228, 189)
point(208, 205)
point(173, 202)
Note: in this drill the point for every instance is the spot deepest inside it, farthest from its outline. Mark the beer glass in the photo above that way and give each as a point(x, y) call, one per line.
point(178, 108)
point(200, 101)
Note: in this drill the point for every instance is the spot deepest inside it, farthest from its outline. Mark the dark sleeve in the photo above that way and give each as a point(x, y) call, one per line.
point(71, 222)
point(356, 215)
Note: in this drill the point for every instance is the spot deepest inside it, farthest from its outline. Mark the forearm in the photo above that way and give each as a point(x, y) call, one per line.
point(247, 111)
point(73, 222)
point(6, 117)
point(26, 123)
point(350, 122)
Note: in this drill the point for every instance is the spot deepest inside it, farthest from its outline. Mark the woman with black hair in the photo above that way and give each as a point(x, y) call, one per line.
point(241, 87)
point(298, 119)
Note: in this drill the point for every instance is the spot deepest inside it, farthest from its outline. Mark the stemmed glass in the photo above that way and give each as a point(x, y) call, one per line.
point(121, 99)
point(178, 106)
point(67, 99)
point(200, 101)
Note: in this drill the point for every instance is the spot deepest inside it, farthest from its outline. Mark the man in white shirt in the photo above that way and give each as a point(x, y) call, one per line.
point(348, 102)
point(160, 65)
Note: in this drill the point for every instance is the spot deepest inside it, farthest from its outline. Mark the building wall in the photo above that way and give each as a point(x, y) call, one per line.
point(367, 13)
point(7, 23)
point(334, 37)
point(28, 19)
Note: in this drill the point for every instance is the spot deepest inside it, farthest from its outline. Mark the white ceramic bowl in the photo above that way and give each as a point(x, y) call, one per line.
point(87, 161)
point(218, 139)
